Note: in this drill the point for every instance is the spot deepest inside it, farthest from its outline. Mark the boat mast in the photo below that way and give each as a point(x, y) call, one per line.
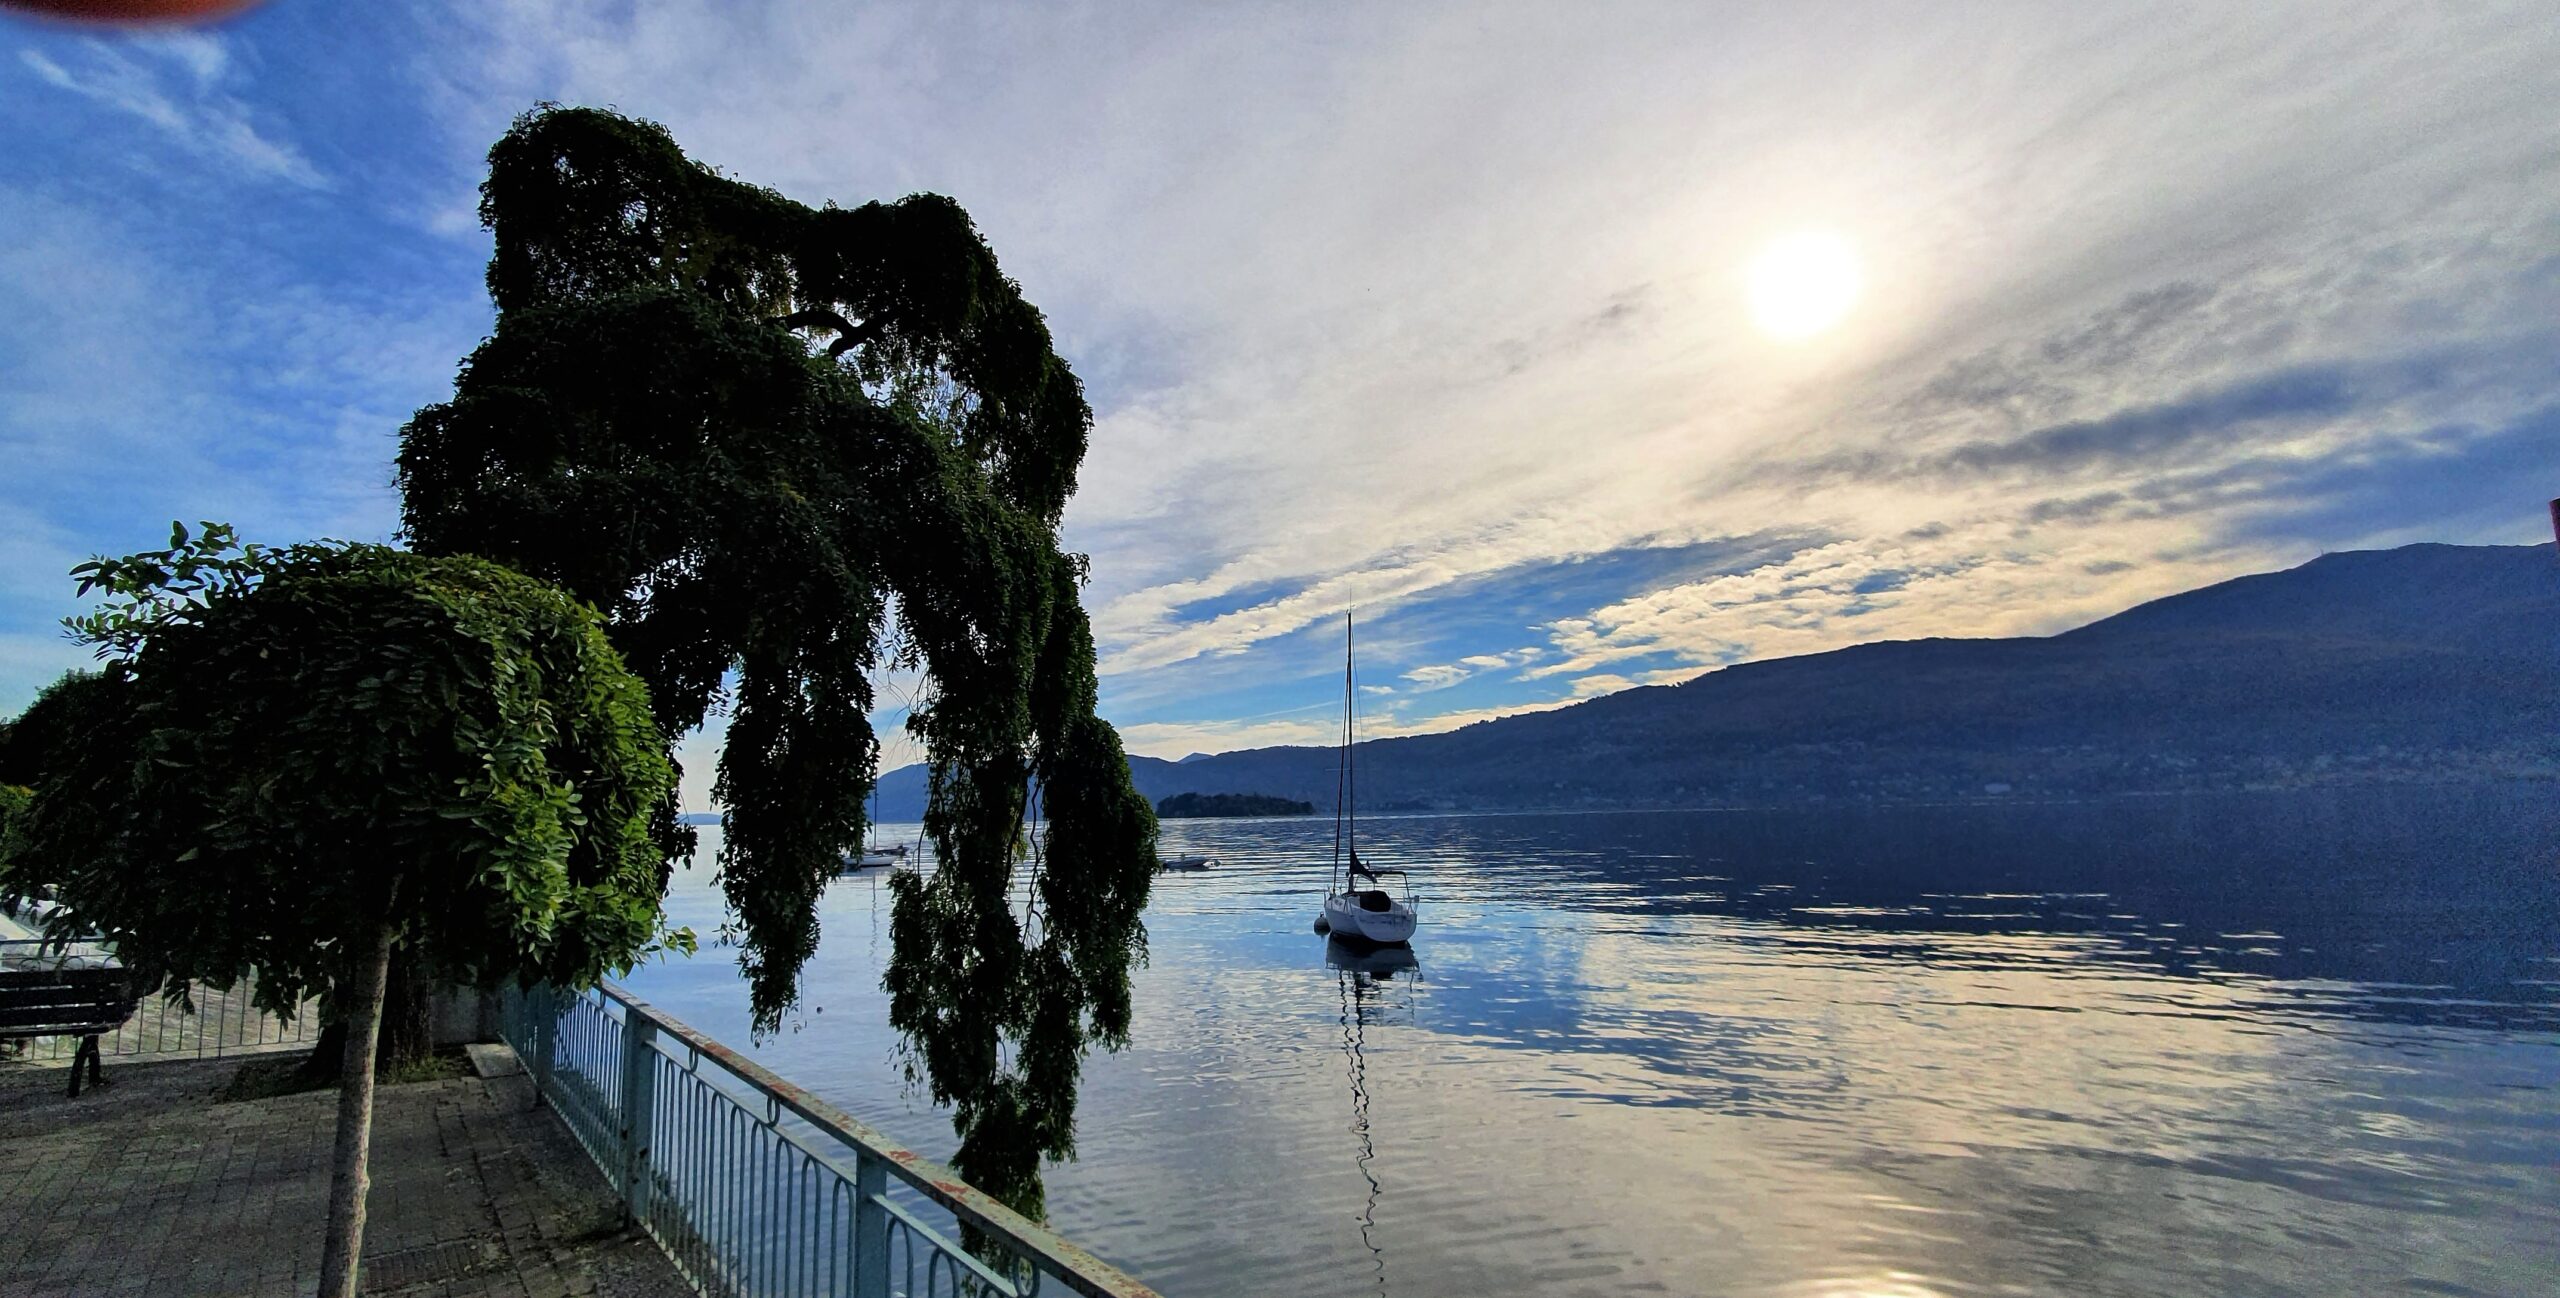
point(1342, 756)
point(1350, 737)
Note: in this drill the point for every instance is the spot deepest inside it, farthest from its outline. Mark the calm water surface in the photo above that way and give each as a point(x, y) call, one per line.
point(2283, 1044)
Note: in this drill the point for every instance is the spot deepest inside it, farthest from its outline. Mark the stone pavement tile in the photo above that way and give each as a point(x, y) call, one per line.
point(493, 1059)
point(148, 1186)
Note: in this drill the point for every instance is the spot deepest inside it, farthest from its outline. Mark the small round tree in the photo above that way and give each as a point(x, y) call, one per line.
point(359, 750)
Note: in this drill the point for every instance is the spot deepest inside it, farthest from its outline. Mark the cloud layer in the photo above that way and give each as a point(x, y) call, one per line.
point(1435, 312)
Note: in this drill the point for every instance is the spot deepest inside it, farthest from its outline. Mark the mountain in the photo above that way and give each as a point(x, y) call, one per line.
point(902, 791)
point(2427, 662)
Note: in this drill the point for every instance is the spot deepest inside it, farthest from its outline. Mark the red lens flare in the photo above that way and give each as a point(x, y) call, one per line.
point(131, 13)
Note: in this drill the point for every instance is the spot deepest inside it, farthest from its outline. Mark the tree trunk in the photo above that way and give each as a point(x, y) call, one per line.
point(408, 1023)
point(347, 1174)
point(329, 1053)
point(408, 1012)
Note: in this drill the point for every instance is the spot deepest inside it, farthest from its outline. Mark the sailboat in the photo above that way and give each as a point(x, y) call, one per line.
point(873, 858)
point(1357, 907)
point(878, 854)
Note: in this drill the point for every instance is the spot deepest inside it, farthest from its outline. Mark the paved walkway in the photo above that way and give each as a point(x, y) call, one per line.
point(149, 1186)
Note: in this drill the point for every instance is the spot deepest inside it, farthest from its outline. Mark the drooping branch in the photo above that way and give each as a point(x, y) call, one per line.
point(848, 334)
point(649, 426)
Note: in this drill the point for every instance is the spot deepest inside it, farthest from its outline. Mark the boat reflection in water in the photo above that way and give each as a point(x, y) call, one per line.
point(1364, 975)
point(1369, 965)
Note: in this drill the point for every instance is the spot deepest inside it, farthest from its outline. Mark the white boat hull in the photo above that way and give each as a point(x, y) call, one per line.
point(1345, 916)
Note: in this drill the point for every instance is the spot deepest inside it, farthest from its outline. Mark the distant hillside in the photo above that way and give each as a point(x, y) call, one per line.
point(1197, 805)
point(2425, 662)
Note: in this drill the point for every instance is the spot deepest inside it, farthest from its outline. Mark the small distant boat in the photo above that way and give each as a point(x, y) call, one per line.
point(1357, 906)
point(879, 855)
point(1186, 862)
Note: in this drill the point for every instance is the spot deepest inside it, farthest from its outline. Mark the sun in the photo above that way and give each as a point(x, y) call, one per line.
point(1803, 284)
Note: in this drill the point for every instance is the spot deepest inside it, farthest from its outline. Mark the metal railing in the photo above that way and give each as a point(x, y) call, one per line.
point(758, 1189)
point(209, 1022)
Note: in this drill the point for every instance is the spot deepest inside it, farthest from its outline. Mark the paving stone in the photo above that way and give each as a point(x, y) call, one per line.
point(149, 1186)
point(494, 1059)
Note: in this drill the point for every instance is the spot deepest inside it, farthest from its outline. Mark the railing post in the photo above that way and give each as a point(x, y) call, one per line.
point(546, 1039)
point(639, 1093)
point(870, 1226)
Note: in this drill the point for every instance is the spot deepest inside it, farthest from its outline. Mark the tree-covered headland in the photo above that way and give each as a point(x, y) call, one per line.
point(1207, 805)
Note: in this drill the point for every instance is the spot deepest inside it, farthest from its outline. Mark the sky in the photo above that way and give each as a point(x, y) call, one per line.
point(1455, 316)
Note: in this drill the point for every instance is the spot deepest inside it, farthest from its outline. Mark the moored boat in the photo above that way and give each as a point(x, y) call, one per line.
point(1370, 914)
point(1357, 906)
point(878, 855)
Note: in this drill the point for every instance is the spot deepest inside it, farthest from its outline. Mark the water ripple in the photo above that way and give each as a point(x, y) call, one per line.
point(2258, 1047)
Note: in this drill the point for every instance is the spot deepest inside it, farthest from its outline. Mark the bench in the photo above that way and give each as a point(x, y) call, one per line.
point(81, 1002)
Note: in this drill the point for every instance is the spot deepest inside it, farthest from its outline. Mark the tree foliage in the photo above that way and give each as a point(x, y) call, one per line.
point(14, 799)
point(301, 761)
point(286, 763)
point(143, 591)
point(788, 447)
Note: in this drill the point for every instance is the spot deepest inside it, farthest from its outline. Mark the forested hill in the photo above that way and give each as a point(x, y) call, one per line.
point(2425, 662)
point(1188, 806)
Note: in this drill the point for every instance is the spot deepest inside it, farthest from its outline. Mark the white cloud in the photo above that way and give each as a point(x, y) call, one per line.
point(145, 378)
point(1364, 322)
point(1440, 676)
point(1599, 683)
point(1175, 739)
point(1437, 677)
point(174, 83)
point(37, 658)
point(1982, 579)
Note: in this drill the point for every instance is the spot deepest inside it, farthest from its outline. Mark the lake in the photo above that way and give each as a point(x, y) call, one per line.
point(2257, 1044)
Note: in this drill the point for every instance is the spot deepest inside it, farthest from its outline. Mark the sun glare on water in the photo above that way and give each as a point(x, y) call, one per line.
point(1803, 284)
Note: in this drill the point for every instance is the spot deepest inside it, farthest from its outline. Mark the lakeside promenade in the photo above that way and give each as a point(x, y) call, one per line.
point(152, 1185)
point(659, 1162)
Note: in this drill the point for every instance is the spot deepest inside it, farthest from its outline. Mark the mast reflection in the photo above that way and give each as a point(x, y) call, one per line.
point(1363, 975)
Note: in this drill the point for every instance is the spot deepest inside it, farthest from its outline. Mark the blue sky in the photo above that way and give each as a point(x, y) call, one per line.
point(1435, 311)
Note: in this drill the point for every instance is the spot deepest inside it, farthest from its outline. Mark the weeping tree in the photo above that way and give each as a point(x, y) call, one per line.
point(784, 448)
point(357, 751)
